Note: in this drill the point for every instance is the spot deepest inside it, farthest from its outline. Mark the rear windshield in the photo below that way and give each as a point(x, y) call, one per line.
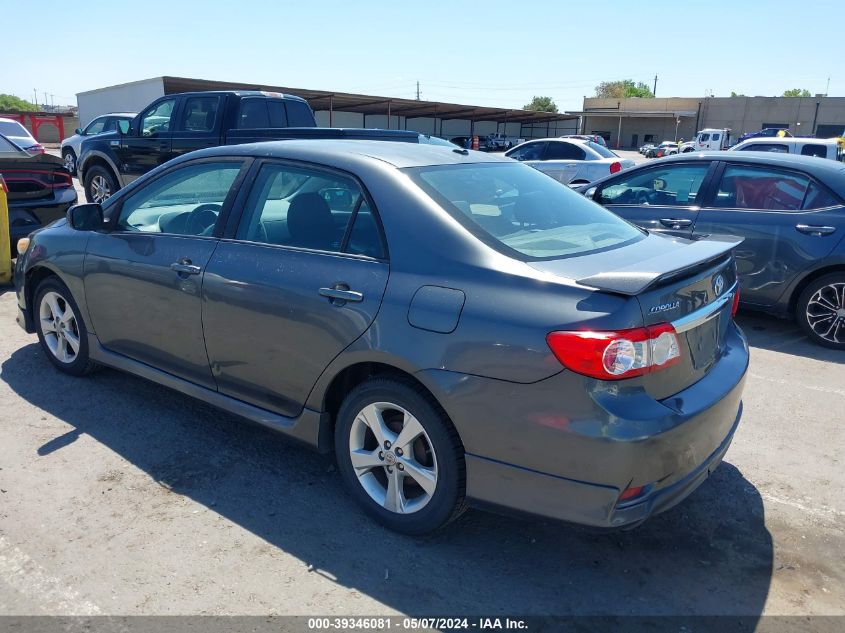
point(12, 128)
point(601, 149)
point(521, 211)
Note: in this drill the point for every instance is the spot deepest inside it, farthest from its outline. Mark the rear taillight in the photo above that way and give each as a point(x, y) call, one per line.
point(3, 185)
point(38, 148)
point(615, 167)
point(61, 180)
point(617, 355)
point(735, 305)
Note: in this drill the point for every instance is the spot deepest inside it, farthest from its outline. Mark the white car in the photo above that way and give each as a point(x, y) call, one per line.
point(820, 147)
point(568, 160)
point(105, 123)
point(20, 136)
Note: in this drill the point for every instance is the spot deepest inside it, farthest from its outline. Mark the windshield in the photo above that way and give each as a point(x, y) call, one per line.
point(601, 150)
point(425, 139)
point(521, 211)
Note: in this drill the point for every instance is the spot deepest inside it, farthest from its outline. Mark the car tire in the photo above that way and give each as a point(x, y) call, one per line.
point(385, 478)
point(820, 310)
point(100, 184)
point(69, 157)
point(60, 328)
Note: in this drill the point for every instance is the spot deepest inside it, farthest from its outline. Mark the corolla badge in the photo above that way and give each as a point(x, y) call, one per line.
point(663, 307)
point(718, 284)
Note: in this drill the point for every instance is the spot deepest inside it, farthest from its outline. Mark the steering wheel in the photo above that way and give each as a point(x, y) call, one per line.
point(642, 197)
point(202, 218)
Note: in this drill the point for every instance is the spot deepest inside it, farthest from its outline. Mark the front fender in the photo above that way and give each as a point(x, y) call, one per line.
point(89, 154)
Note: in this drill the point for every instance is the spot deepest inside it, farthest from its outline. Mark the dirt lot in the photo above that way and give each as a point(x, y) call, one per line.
point(118, 496)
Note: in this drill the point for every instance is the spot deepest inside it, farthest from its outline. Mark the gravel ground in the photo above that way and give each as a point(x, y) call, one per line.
point(118, 496)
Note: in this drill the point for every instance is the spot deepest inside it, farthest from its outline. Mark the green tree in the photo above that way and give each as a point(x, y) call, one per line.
point(736, 94)
point(11, 103)
point(623, 88)
point(796, 92)
point(541, 104)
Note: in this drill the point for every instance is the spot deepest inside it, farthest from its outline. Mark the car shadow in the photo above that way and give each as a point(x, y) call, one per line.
point(784, 336)
point(712, 554)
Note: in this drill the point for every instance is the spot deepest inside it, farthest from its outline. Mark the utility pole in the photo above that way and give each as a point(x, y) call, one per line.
point(654, 92)
point(35, 100)
point(418, 91)
point(52, 104)
point(45, 99)
point(827, 87)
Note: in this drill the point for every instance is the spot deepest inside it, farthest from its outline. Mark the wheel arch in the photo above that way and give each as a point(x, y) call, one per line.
point(32, 279)
point(809, 278)
point(92, 158)
point(329, 393)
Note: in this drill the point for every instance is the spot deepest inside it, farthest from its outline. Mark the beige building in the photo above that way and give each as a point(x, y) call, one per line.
point(629, 123)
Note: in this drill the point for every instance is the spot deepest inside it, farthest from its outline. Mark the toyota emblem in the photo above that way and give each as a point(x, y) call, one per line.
point(718, 284)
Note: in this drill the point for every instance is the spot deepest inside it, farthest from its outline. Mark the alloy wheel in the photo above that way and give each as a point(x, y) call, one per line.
point(70, 162)
point(59, 327)
point(393, 457)
point(826, 312)
point(100, 189)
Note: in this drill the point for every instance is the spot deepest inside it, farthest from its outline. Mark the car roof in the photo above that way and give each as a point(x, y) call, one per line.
point(793, 140)
point(239, 93)
point(340, 151)
point(129, 114)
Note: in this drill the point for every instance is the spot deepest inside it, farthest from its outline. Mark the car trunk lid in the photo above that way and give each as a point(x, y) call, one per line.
point(689, 284)
point(34, 177)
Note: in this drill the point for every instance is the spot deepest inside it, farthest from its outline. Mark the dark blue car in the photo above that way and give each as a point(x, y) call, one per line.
point(790, 211)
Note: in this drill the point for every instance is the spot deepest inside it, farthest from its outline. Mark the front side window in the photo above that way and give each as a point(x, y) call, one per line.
point(529, 151)
point(561, 150)
point(96, 126)
point(521, 211)
point(813, 149)
point(156, 120)
point(309, 208)
point(187, 201)
point(199, 114)
point(672, 185)
point(704, 138)
point(745, 187)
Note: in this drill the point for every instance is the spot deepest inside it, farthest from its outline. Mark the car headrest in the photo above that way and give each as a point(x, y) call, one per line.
point(310, 222)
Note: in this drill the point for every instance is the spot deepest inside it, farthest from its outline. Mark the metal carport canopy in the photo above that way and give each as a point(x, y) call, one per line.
point(371, 104)
point(636, 114)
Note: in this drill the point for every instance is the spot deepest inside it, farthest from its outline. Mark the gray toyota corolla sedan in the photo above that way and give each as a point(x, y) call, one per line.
point(459, 328)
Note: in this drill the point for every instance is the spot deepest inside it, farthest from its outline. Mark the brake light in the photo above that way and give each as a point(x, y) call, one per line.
point(618, 354)
point(615, 167)
point(38, 148)
point(735, 305)
point(3, 185)
point(631, 493)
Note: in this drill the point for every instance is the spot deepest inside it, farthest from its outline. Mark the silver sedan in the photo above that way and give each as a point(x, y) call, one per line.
point(569, 160)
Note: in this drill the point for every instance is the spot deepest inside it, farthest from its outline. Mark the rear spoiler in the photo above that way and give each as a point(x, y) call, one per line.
point(661, 269)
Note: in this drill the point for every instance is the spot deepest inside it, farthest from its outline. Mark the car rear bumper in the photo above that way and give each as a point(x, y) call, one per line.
point(566, 448)
point(25, 216)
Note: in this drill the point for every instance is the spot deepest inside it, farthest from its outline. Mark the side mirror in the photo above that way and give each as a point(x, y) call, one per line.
point(78, 131)
point(591, 193)
point(123, 127)
point(85, 217)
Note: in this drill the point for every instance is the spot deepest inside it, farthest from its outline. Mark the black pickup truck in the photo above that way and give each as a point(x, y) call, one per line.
point(179, 123)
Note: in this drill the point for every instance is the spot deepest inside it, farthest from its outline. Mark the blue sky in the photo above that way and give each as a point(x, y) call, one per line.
point(482, 53)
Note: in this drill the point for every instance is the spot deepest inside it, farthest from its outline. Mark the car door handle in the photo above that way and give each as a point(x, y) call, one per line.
point(812, 229)
point(675, 223)
point(185, 267)
point(341, 293)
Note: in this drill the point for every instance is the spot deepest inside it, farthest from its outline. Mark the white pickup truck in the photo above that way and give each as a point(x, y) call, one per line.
point(500, 142)
point(708, 138)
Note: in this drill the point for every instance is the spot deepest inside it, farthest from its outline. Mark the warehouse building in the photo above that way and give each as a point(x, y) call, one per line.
point(339, 109)
point(629, 123)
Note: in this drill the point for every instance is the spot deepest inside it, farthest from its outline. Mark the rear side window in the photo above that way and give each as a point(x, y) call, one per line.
point(560, 150)
point(299, 114)
point(278, 115)
point(672, 185)
point(199, 114)
point(819, 198)
point(601, 150)
point(522, 212)
point(744, 187)
point(812, 149)
point(253, 114)
point(309, 208)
